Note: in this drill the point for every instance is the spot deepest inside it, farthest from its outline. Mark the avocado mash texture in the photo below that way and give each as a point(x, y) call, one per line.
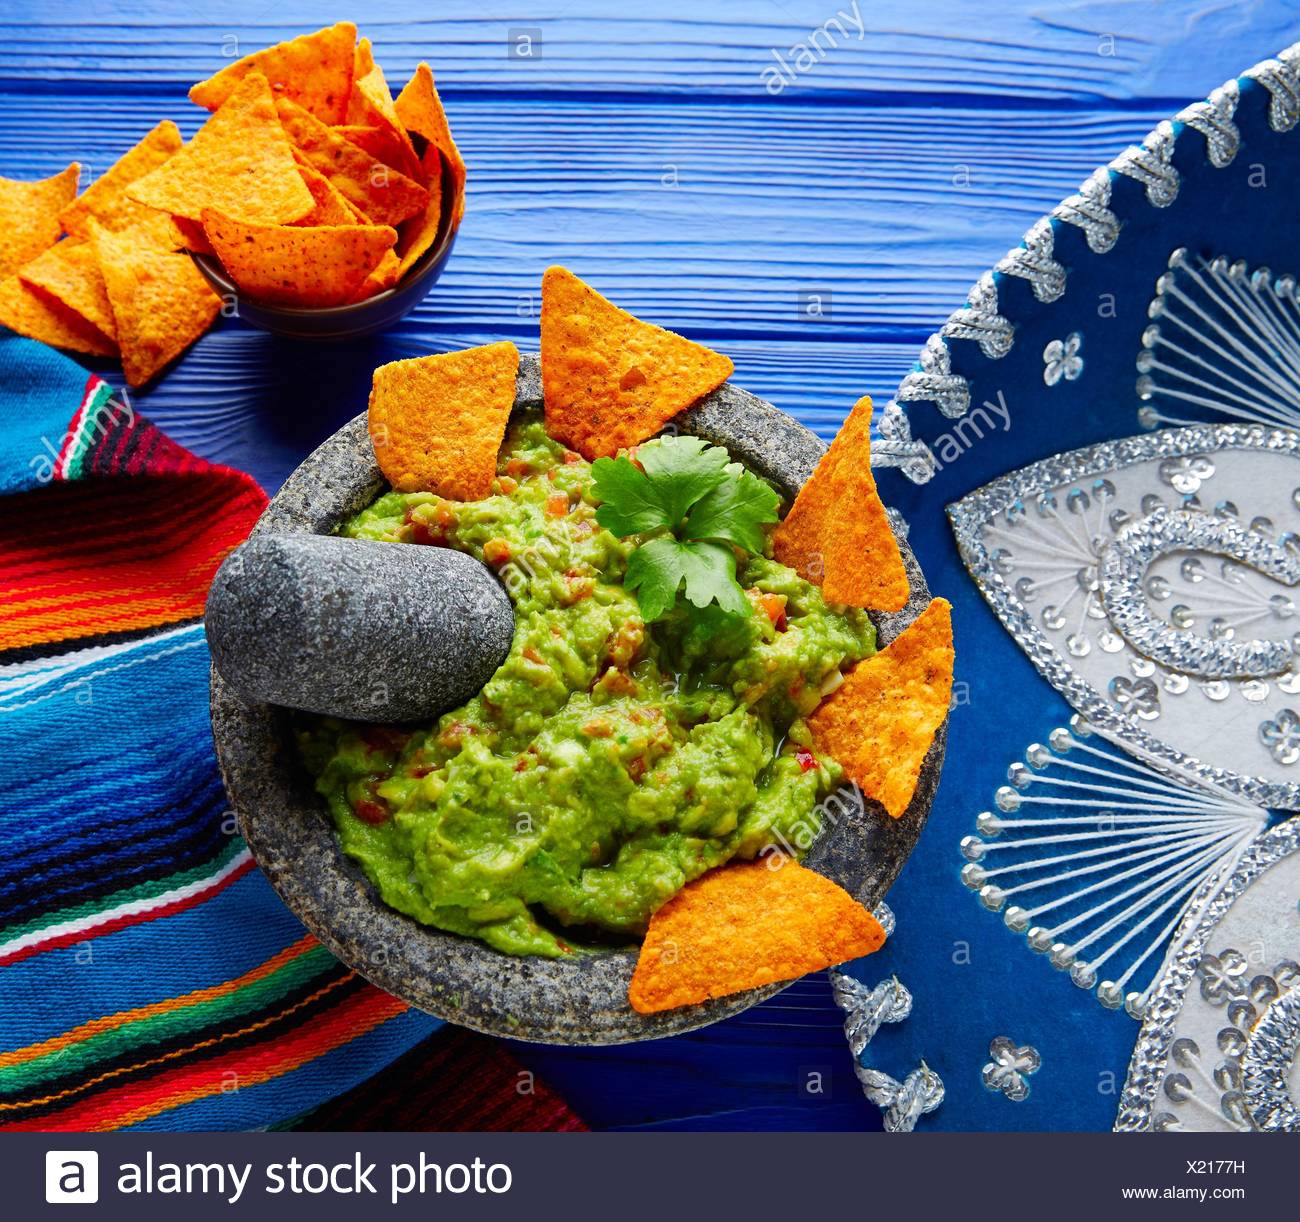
point(608, 762)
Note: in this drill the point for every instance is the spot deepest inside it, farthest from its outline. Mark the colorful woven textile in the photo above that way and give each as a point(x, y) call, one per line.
point(149, 976)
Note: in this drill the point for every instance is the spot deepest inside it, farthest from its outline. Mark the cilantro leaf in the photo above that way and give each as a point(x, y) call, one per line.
point(696, 504)
point(710, 570)
point(657, 569)
point(654, 571)
point(734, 512)
point(630, 502)
point(683, 469)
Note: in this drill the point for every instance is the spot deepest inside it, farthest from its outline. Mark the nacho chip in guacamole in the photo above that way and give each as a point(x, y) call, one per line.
point(744, 925)
point(610, 380)
point(436, 422)
point(837, 534)
point(879, 723)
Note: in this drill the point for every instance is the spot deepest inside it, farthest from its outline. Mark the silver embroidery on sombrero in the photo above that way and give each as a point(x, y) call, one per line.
point(1093, 856)
point(1218, 1049)
point(867, 1008)
point(1224, 341)
point(1152, 580)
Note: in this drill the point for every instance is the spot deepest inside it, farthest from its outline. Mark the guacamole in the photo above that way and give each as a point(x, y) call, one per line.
point(607, 762)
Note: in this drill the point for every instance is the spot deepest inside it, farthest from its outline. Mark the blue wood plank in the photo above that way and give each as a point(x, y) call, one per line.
point(1004, 49)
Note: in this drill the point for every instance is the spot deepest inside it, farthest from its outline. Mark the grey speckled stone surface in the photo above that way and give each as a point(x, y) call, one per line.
point(574, 1001)
point(356, 628)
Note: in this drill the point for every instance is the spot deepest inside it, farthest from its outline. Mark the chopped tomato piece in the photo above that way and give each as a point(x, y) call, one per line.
point(370, 812)
point(807, 760)
point(532, 655)
point(507, 484)
point(496, 551)
point(557, 505)
point(773, 606)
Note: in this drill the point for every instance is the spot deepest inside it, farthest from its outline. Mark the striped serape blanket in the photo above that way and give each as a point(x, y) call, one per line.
point(149, 976)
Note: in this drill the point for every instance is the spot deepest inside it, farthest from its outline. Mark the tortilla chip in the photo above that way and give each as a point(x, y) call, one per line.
point(29, 216)
point(383, 145)
point(161, 302)
point(745, 925)
point(320, 265)
point(436, 422)
point(240, 161)
point(609, 380)
point(106, 200)
point(419, 110)
point(371, 106)
point(837, 534)
point(331, 207)
point(386, 274)
point(69, 272)
point(420, 232)
point(192, 235)
point(315, 70)
point(879, 723)
point(385, 195)
point(35, 314)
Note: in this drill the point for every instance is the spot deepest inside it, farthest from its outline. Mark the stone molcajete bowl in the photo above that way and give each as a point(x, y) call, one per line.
point(579, 1000)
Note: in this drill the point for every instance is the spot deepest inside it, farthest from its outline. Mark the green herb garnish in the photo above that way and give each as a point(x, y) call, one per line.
point(694, 506)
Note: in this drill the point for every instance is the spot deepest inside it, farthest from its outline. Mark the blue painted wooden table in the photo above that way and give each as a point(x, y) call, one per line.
point(699, 170)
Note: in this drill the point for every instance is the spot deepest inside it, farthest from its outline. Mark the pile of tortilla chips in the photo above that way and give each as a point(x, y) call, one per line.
point(609, 382)
point(311, 183)
point(119, 283)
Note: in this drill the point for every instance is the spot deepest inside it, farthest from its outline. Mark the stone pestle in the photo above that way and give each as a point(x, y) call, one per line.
point(356, 628)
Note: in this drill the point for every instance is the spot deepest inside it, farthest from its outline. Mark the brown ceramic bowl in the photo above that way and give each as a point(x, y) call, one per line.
point(579, 1000)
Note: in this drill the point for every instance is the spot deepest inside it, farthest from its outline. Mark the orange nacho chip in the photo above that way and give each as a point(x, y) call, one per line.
point(320, 265)
point(386, 274)
point(192, 236)
point(879, 723)
point(239, 161)
point(419, 110)
point(332, 208)
point(106, 200)
point(745, 925)
point(371, 106)
point(420, 232)
point(29, 216)
point(35, 314)
point(385, 195)
point(610, 380)
point(315, 70)
point(436, 422)
point(69, 272)
point(382, 145)
point(161, 303)
point(837, 534)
